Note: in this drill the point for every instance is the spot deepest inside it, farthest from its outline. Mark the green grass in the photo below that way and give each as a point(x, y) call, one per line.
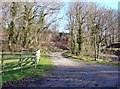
point(116, 42)
point(115, 49)
point(42, 70)
point(90, 59)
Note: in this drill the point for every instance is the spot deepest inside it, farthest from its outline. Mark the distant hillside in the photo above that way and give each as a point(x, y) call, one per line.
point(62, 41)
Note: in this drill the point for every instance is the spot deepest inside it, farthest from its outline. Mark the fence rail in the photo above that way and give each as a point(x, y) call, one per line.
point(18, 59)
point(17, 52)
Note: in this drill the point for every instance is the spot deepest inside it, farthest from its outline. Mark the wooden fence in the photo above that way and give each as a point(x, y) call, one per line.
point(18, 60)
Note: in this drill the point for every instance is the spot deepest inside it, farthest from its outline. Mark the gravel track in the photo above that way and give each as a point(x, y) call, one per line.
point(69, 73)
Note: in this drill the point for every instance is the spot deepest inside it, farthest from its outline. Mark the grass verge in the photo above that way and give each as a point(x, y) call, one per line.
point(42, 70)
point(90, 59)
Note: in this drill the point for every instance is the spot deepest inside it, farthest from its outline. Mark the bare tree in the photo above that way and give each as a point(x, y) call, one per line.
point(95, 27)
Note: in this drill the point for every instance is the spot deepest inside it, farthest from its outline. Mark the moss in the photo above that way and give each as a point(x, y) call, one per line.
point(90, 59)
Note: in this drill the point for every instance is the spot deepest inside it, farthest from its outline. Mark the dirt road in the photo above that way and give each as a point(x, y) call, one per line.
point(71, 73)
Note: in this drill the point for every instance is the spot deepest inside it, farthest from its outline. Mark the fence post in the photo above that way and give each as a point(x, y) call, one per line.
point(2, 63)
point(37, 58)
point(20, 61)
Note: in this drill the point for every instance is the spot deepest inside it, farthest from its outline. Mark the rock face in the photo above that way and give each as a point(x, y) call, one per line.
point(112, 58)
point(115, 45)
point(111, 52)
